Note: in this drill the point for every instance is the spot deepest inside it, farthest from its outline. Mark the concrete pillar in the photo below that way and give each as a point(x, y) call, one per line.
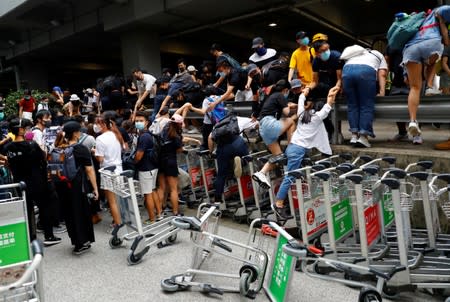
point(141, 49)
point(32, 74)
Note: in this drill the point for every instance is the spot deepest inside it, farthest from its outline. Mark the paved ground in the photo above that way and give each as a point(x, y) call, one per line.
point(102, 274)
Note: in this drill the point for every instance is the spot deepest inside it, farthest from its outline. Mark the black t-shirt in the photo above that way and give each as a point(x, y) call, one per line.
point(238, 79)
point(327, 69)
point(171, 145)
point(274, 105)
point(145, 143)
point(28, 163)
point(83, 157)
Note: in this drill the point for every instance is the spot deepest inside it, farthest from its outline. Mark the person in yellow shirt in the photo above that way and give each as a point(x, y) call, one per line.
point(301, 59)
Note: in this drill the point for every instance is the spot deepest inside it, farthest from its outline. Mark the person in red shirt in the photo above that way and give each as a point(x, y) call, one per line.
point(27, 106)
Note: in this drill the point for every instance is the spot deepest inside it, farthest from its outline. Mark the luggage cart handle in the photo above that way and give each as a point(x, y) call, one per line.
point(299, 250)
point(425, 164)
point(127, 173)
point(444, 177)
point(387, 275)
point(421, 175)
point(219, 243)
point(252, 156)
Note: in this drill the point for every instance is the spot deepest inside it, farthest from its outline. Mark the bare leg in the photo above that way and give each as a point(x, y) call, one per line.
point(161, 191)
point(172, 182)
point(150, 203)
point(115, 212)
point(275, 149)
point(415, 83)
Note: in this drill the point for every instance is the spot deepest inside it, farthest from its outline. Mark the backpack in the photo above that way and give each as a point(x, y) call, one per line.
point(218, 113)
point(404, 28)
point(61, 165)
point(158, 144)
point(226, 129)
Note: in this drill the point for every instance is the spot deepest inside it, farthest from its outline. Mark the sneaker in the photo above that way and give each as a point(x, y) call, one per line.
point(436, 126)
point(159, 217)
point(443, 146)
point(149, 222)
point(282, 213)
point(417, 140)
point(413, 128)
point(52, 241)
point(81, 250)
point(353, 139)
point(362, 142)
point(261, 179)
point(432, 91)
point(237, 167)
point(59, 229)
point(399, 138)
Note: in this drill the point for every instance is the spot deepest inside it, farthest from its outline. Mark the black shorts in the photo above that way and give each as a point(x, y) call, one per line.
point(168, 167)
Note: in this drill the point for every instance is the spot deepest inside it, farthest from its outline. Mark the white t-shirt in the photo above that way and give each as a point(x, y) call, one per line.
point(146, 84)
point(313, 134)
point(257, 58)
point(373, 59)
point(38, 137)
point(108, 146)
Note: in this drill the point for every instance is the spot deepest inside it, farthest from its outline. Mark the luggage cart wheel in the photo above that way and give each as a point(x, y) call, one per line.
point(171, 239)
point(369, 295)
point(169, 285)
point(390, 292)
point(115, 242)
point(245, 281)
point(133, 259)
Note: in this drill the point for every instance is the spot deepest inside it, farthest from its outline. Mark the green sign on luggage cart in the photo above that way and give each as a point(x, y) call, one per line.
point(13, 244)
point(388, 211)
point(342, 218)
point(282, 267)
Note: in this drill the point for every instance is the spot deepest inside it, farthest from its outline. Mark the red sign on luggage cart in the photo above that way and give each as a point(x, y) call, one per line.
point(315, 212)
point(372, 223)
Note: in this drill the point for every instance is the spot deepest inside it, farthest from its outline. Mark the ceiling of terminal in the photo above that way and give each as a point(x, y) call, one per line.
point(196, 24)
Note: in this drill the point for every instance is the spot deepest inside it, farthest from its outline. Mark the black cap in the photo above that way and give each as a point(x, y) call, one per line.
point(300, 35)
point(221, 60)
point(257, 41)
point(70, 127)
point(216, 46)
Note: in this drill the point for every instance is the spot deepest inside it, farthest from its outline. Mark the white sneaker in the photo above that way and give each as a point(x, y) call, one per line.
point(432, 91)
point(413, 128)
point(354, 139)
point(363, 142)
point(261, 179)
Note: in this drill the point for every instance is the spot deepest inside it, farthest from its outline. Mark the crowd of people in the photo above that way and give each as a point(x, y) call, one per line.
point(290, 95)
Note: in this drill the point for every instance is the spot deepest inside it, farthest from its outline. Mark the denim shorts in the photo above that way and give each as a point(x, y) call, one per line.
point(421, 51)
point(270, 129)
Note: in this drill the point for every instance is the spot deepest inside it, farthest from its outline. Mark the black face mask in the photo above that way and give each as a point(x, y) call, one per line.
point(47, 124)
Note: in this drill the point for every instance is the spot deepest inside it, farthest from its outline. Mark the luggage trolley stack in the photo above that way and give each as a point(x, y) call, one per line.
point(20, 272)
point(252, 261)
point(131, 229)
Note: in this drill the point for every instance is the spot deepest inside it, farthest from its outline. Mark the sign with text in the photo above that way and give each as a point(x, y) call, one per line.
point(372, 223)
point(13, 244)
point(342, 219)
point(282, 266)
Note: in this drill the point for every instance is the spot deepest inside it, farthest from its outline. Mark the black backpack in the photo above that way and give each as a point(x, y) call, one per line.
point(226, 130)
point(61, 164)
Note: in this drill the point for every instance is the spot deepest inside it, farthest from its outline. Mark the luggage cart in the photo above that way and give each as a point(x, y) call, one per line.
point(250, 273)
point(20, 263)
point(190, 162)
point(309, 254)
point(132, 229)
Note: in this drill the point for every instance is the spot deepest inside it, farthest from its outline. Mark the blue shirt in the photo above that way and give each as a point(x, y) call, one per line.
point(431, 26)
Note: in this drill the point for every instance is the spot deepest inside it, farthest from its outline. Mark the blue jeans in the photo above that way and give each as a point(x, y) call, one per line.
point(360, 88)
point(157, 101)
point(294, 154)
point(225, 153)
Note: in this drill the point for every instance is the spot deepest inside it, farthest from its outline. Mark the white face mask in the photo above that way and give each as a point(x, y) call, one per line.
point(97, 129)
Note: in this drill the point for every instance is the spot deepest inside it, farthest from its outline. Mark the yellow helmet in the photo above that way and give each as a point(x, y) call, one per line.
point(319, 37)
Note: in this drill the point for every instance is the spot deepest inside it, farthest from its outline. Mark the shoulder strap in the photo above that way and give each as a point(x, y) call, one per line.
point(83, 138)
point(311, 57)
